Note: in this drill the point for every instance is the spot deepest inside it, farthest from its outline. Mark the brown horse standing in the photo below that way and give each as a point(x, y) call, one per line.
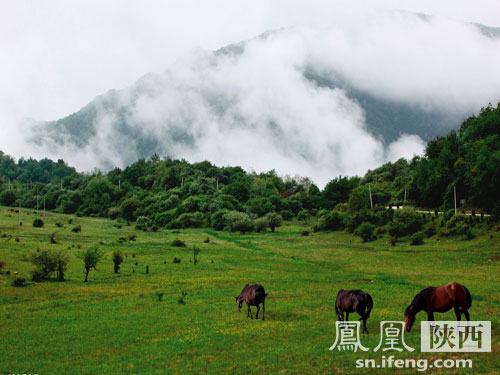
point(253, 295)
point(439, 299)
point(355, 300)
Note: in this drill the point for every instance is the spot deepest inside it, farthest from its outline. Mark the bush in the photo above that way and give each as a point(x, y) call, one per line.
point(304, 233)
point(37, 275)
point(430, 229)
point(187, 220)
point(287, 214)
point(303, 215)
point(46, 263)
point(417, 239)
point(38, 223)
point(130, 207)
point(176, 260)
point(366, 231)
point(275, 220)
point(260, 224)
point(117, 260)
point(449, 214)
point(458, 225)
point(141, 223)
point(178, 243)
point(405, 221)
point(238, 221)
point(217, 220)
point(329, 221)
point(19, 281)
point(77, 229)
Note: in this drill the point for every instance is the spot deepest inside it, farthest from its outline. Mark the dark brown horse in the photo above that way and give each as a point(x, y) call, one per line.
point(253, 295)
point(439, 299)
point(356, 300)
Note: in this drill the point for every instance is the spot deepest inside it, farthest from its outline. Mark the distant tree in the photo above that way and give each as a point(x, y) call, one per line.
point(7, 198)
point(129, 208)
point(339, 189)
point(303, 215)
point(117, 260)
point(358, 199)
point(90, 259)
point(237, 221)
point(62, 260)
point(275, 220)
point(366, 231)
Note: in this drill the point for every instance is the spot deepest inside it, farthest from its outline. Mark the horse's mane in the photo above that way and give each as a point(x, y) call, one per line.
point(420, 299)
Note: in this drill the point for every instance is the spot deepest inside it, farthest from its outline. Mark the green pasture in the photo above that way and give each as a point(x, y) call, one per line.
point(133, 323)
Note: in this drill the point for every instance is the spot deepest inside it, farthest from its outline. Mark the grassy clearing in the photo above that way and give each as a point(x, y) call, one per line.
point(116, 323)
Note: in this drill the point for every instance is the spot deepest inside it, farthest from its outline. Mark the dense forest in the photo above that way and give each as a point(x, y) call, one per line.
point(157, 192)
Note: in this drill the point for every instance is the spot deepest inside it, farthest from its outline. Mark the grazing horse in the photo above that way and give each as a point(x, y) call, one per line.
point(439, 299)
point(356, 300)
point(253, 295)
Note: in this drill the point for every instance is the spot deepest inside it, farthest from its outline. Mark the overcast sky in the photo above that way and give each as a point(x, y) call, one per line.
point(56, 56)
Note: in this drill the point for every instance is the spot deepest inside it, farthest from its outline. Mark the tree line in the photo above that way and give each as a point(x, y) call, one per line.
point(169, 193)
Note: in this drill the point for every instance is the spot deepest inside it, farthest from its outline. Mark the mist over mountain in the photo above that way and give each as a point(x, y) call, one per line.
point(315, 102)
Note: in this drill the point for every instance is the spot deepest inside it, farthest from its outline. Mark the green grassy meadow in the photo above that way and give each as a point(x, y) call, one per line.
point(133, 323)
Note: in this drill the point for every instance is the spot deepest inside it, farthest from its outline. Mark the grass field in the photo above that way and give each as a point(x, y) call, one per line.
point(133, 323)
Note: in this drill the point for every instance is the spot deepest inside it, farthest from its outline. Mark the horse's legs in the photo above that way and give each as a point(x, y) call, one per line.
point(257, 315)
point(249, 312)
point(430, 315)
point(364, 324)
point(263, 308)
point(466, 313)
point(457, 313)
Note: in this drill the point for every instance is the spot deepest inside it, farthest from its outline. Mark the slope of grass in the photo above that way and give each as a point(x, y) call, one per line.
point(118, 324)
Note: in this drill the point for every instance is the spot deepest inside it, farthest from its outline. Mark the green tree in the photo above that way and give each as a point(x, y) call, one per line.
point(275, 220)
point(366, 231)
point(90, 259)
point(129, 208)
point(8, 198)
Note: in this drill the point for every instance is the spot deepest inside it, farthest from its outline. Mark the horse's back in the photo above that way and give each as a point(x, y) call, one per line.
point(256, 294)
point(445, 297)
point(349, 300)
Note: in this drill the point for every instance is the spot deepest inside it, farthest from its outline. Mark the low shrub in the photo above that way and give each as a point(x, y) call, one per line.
point(417, 239)
point(366, 231)
point(19, 281)
point(178, 243)
point(38, 223)
point(77, 229)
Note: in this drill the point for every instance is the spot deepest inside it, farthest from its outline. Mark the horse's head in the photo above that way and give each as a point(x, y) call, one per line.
point(409, 318)
point(239, 302)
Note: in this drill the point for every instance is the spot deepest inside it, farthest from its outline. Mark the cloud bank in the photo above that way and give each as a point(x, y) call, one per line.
point(255, 108)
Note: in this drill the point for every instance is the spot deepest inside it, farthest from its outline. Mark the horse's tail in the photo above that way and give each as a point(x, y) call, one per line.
point(369, 305)
point(468, 298)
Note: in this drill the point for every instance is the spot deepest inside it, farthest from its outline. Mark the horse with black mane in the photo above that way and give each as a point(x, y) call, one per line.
point(439, 299)
point(253, 295)
point(355, 300)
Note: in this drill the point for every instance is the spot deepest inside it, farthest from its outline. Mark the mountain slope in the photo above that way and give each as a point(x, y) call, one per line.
point(333, 101)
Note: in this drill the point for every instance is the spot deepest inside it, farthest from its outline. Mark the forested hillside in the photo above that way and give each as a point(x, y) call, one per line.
point(175, 193)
